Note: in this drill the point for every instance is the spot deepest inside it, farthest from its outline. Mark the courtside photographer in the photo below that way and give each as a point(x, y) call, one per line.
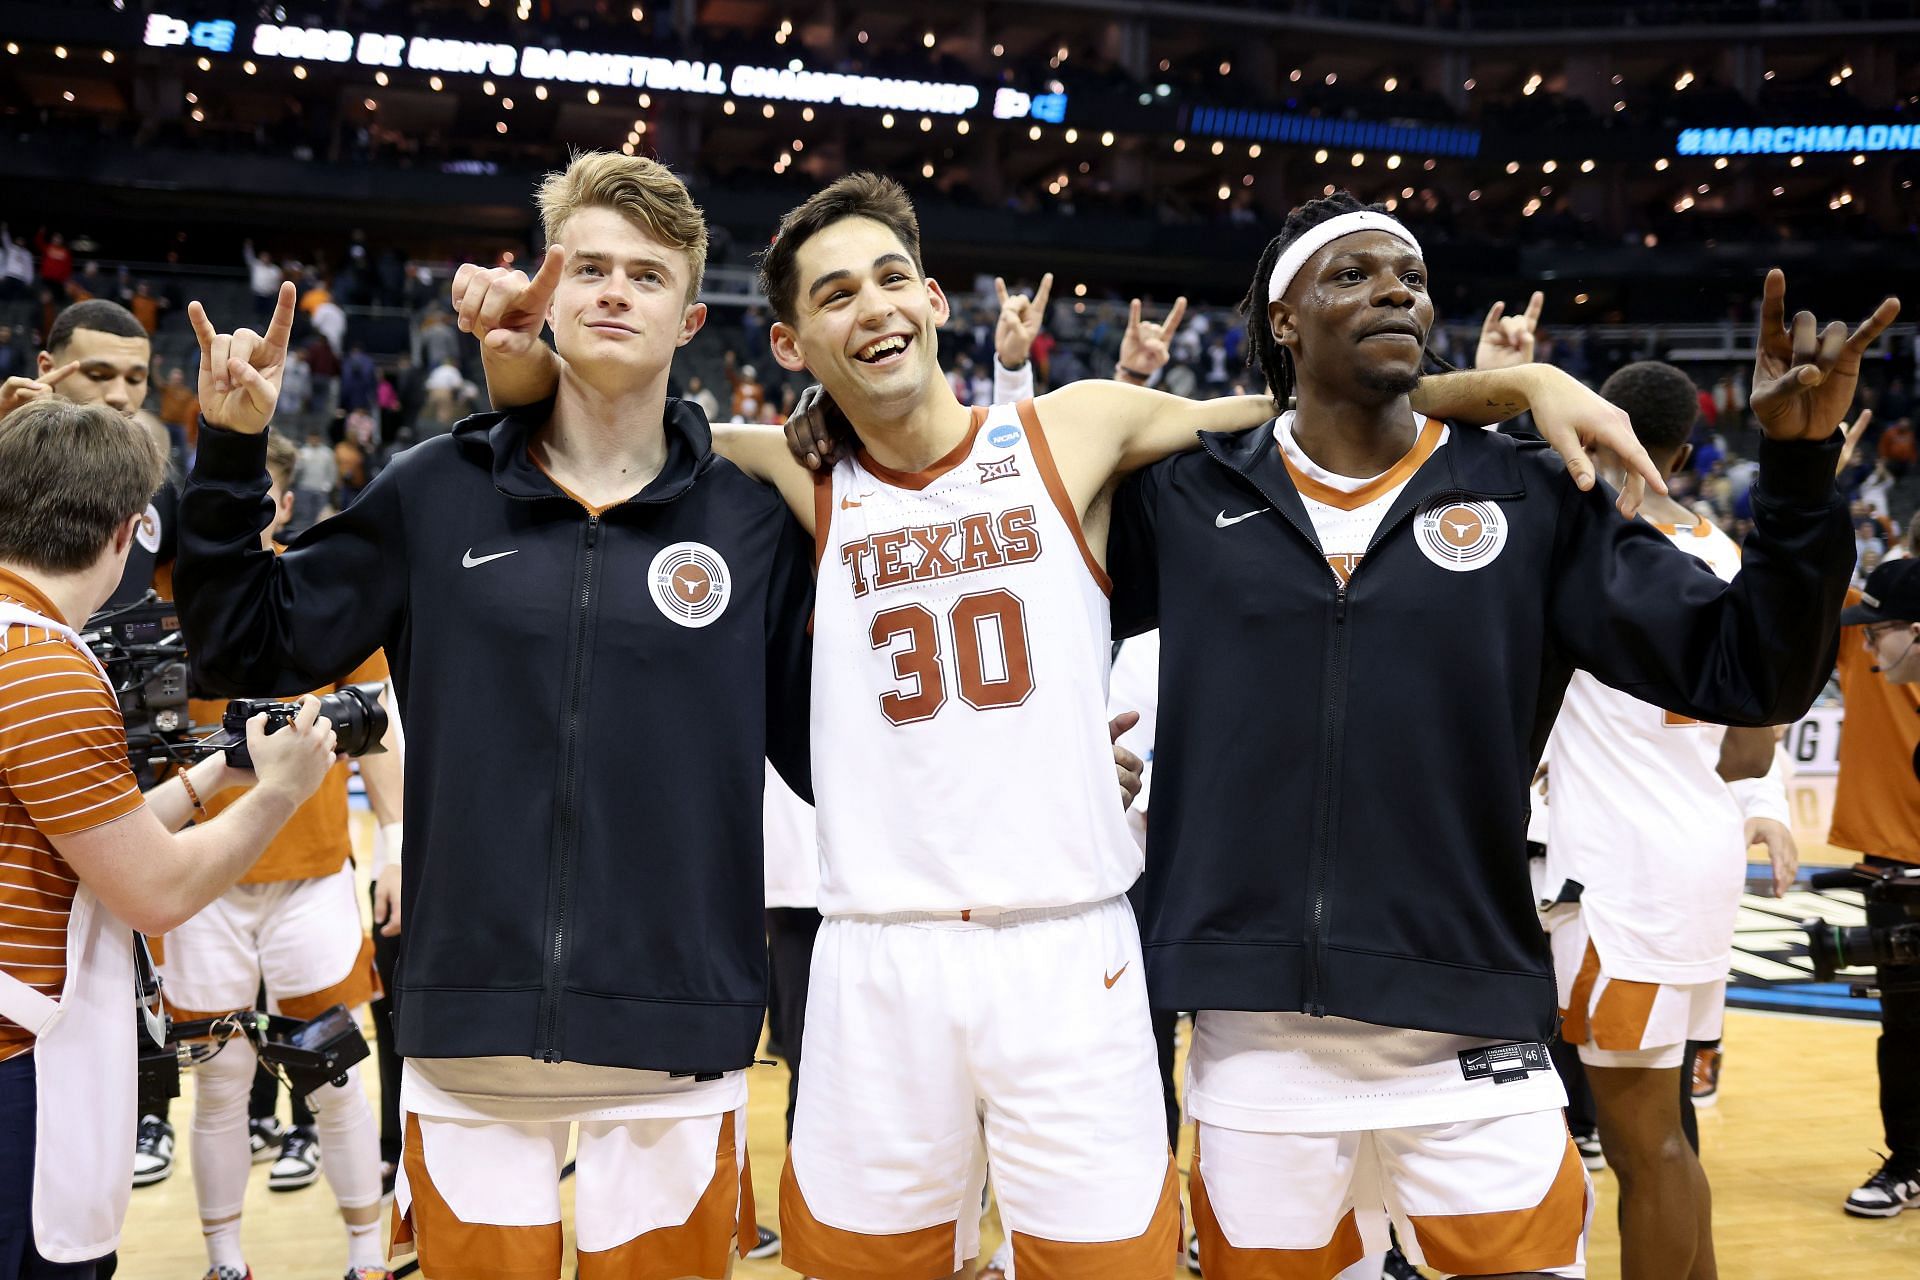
point(86, 858)
point(1876, 811)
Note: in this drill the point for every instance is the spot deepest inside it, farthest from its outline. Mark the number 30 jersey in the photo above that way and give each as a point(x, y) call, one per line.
point(961, 645)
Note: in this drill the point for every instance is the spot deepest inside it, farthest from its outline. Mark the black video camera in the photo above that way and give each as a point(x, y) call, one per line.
point(1835, 947)
point(145, 657)
point(308, 1054)
point(359, 722)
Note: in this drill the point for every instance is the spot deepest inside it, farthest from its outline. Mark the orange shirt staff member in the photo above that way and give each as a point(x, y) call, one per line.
point(1876, 811)
point(292, 923)
point(84, 858)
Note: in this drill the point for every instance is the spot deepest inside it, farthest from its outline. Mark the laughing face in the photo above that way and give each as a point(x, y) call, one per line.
point(622, 298)
point(1357, 314)
point(865, 320)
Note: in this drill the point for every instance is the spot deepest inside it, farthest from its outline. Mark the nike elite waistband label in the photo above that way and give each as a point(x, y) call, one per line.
point(1504, 1062)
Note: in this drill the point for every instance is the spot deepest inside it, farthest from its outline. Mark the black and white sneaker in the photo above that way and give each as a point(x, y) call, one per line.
point(152, 1151)
point(1193, 1255)
point(265, 1137)
point(299, 1162)
point(1893, 1187)
point(1588, 1145)
point(1396, 1266)
point(767, 1245)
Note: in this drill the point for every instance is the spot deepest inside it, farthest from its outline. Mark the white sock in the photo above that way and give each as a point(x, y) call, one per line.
point(221, 1156)
point(363, 1245)
point(350, 1138)
point(223, 1245)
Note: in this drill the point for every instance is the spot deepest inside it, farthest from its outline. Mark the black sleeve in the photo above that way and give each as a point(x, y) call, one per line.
point(166, 505)
point(258, 624)
point(1133, 560)
point(1652, 621)
point(790, 659)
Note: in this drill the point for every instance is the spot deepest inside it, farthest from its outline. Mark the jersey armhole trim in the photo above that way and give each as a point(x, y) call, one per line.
point(1057, 490)
point(822, 515)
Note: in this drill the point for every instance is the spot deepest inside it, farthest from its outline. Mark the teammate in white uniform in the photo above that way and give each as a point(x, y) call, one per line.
point(976, 992)
point(1646, 833)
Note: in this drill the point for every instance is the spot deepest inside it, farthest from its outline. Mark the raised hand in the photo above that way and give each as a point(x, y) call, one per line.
point(1804, 378)
point(1506, 341)
point(502, 307)
point(15, 392)
point(1020, 321)
point(1147, 346)
point(240, 372)
point(1856, 431)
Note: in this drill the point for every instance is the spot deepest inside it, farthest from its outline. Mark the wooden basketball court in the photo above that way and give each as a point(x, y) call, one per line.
point(1795, 1129)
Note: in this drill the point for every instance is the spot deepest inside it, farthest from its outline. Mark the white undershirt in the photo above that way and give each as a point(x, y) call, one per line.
point(1292, 1073)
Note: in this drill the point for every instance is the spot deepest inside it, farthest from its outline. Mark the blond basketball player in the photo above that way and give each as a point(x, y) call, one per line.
point(292, 923)
point(1647, 856)
point(976, 994)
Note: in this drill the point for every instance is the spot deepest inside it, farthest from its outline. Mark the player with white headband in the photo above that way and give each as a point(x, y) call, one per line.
point(1367, 621)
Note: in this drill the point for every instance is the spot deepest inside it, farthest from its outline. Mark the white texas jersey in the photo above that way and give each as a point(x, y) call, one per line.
point(961, 644)
point(1638, 814)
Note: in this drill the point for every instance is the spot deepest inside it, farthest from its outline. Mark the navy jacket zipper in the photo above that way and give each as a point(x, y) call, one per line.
point(567, 827)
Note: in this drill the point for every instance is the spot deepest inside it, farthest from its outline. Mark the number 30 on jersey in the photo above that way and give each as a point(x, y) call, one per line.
point(982, 642)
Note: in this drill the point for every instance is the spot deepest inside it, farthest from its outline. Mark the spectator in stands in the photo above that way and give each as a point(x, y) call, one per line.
point(263, 278)
point(698, 394)
point(180, 410)
point(331, 320)
point(352, 457)
point(450, 397)
point(315, 475)
point(146, 306)
point(748, 393)
point(16, 353)
point(439, 343)
point(359, 380)
point(1896, 446)
point(56, 260)
point(323, 363)
point(16, 268)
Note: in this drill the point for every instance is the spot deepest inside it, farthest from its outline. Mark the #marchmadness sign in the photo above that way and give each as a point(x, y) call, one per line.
point(1798, 139)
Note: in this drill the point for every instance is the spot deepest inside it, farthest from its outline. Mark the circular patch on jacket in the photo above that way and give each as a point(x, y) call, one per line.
point(148, 534)
point(690, 583)
point(1460, 535)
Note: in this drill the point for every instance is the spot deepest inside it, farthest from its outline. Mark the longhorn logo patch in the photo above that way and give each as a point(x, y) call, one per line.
point(1459, 536)
point(690, 583)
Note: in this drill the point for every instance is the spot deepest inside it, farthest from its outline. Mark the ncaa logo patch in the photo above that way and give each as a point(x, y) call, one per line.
point(690, 583)
point(1459, 536)
point(1004, 437)
point(148, 534)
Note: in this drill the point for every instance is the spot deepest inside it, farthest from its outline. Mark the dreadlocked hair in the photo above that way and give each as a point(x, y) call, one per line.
point(1265, 355)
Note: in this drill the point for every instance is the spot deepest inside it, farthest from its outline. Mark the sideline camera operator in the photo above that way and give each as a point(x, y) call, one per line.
point(1876, 811)
point(86, 858)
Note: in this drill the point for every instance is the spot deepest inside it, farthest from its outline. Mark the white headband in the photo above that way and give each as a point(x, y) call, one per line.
point(1296, 254)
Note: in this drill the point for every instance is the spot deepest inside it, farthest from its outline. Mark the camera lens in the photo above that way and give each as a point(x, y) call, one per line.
point(359, 721)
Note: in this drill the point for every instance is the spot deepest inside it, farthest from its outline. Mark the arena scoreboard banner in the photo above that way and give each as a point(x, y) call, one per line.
point(1797, 139)
point(791, 83)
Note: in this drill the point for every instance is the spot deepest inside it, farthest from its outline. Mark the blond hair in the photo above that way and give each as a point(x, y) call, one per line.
point(281, 457)
point(70, 476)
point(641, 190)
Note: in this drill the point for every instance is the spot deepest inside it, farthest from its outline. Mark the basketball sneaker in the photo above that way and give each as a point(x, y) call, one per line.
point(366, 1273)
point(265, 1137)
point(767, 1245)
point(1000, 1266)
point(1706, 1075)
point(1396, 1266)
point(298, 1164)
point(1588, 1145)
point(1193, 1255)
point(1894, 1186)
point(152, 1151)
point(227, 1273)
